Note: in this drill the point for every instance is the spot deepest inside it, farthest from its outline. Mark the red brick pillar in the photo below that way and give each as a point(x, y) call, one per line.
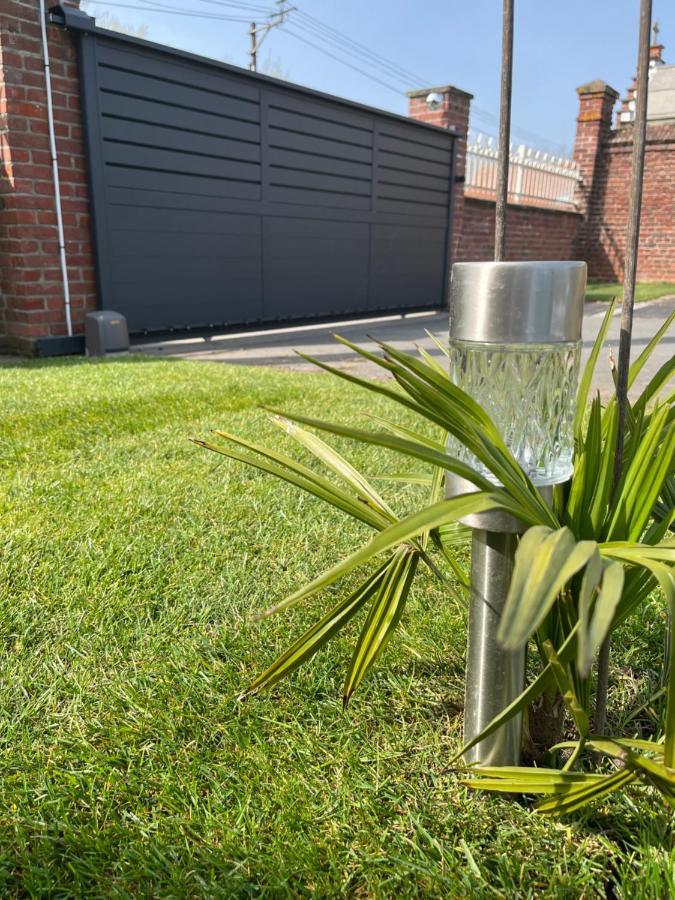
point(32, 312)
point(451, 112)
point(594, 125)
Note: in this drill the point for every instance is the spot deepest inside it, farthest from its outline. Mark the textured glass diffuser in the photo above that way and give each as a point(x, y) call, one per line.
point(515, 346)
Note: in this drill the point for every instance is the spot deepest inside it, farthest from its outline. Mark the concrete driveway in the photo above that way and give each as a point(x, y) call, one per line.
point(276, 347)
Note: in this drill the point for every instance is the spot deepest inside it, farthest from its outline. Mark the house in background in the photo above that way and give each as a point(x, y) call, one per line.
point(661, 91)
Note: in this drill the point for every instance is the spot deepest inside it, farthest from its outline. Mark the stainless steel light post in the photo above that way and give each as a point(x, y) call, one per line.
point(515, 343)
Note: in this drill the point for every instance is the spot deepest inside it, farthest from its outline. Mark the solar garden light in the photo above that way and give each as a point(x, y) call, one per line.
point(515, 344)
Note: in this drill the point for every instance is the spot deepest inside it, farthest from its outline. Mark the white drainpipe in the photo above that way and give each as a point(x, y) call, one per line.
point(55, 170)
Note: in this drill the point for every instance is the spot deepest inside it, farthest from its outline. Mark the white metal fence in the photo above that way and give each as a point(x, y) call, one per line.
point(535, 177)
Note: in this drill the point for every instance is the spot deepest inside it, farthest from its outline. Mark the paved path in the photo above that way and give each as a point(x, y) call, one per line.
point(276, 347)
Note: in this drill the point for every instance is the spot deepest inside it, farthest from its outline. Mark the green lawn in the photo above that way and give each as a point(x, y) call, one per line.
point(646, 290)
point(131, 564)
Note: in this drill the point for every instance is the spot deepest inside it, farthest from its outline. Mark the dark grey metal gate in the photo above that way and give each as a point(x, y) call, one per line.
point(221, 197)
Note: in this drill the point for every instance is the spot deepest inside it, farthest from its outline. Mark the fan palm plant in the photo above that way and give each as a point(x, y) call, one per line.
point(582, 568)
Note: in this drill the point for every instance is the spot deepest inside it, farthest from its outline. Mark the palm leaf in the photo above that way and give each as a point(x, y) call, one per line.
point(594, 788)
point(521, 779)
point(545, 561)
point(518, 500)
point(319, 634)
point(609, 580)
point(589, 370)
point(637, 366)
point(407, 433)
point(643, 480)
point(299, 476)
point(445, 350)
point(398, 533)
point(337, 463)
point(542, 683)
point(383, 617)
point(566, 688)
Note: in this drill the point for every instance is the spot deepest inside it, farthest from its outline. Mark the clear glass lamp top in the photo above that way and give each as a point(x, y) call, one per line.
point(528, 390)
point(515, 344)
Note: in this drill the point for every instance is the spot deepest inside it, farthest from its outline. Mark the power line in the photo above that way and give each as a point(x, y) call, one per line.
point(170, 10)
point(249, 7)
point(343, 61)
point(346, 40)
point(338, 40)
point(387, 70)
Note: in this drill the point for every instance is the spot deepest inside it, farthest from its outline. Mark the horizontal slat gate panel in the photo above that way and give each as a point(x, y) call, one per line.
point(422, 196)
point(318, 127)
point(161, 137)
point(404, 163)
point(319, 147)
point(309, 162)
point(122, 154)
point(139, 85)
point(405, 207)
point(222, 198)
point(173, 183)
point(169, 115)
point(172, 69)
point(308, 197)
point(162, 244)
point(147, 219)
point(407, 178)
point(280, 176)
point(414, 149)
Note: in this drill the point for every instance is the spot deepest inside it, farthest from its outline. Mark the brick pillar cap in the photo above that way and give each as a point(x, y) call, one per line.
point(446, 89)
point(597, 87)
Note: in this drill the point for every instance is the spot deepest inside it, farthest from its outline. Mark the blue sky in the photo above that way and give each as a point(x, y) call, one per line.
point(557, 47)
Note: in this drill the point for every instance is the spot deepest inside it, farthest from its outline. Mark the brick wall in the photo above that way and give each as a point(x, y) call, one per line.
point(604, 240)
point(531, 233)
point(32, 298)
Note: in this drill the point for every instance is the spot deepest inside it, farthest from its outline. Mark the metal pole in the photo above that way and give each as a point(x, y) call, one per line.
point(494, 678)
point(504, 130)
point(253, 65)
point(630, 272)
